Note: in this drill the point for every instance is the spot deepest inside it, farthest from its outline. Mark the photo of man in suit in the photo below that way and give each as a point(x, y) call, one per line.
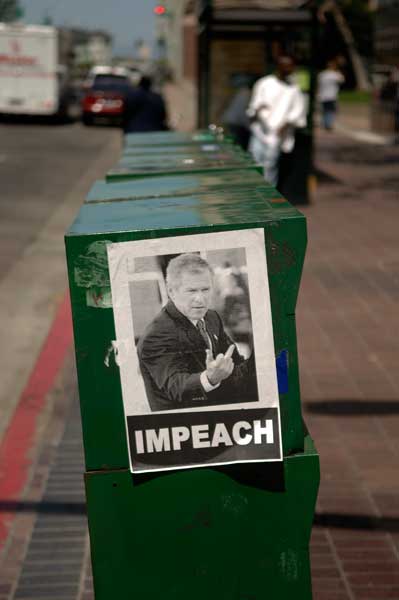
point(186, 357)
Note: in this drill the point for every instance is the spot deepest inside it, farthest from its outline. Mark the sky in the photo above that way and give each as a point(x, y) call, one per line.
point(125, 20)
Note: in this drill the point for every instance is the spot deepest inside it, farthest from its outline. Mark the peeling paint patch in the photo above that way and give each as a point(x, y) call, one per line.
point(289, 564)
point(235, 504)
point(203, 518)
point(119, 350)
point(91, 272)
point(99, 297)
point(283, 257)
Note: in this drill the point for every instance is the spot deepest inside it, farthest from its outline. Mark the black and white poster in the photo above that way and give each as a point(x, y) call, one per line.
point(194, 345)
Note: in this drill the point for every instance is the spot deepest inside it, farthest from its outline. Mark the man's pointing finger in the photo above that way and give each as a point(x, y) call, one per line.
point(230, 351)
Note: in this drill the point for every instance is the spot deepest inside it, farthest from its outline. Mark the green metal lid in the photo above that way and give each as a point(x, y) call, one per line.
point(145, 166)
point(227, 208)
point(173, 137)
point(177, 149)
point(177, 185)
point(166, 159)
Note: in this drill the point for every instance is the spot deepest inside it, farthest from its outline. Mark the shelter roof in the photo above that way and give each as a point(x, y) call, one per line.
point(258, 4)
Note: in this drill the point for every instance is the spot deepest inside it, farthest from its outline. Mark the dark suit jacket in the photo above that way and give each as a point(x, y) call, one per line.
point(172, 357)
point(144, 111)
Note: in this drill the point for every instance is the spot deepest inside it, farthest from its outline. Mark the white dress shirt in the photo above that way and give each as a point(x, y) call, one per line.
point(284, 110)
point(328, 84)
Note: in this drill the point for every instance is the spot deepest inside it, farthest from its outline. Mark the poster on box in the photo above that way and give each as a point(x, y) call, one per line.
point(194, 346)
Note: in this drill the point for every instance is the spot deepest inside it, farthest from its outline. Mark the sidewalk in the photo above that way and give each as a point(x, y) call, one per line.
point(353, 121)
point(348, 345)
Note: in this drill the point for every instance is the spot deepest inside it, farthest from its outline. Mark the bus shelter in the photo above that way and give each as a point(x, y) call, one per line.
point(244, 39)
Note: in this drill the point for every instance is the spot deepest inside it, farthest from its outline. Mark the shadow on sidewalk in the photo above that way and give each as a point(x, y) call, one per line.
point(350, 408)
point(326, 178)
point(365, 522)
point(367, 155)
point(331, 520)
point(56, 508)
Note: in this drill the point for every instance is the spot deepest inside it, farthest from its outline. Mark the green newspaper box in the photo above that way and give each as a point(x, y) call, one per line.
point(201, 479)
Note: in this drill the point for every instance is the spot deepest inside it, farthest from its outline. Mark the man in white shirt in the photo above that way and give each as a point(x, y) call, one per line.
point(276, 109)
point(329, 82)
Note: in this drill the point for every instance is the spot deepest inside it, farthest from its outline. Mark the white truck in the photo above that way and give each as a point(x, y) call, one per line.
point(33, 80)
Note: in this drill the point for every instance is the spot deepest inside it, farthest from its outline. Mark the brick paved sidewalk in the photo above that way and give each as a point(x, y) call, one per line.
point(348, 347)
point(47, 549)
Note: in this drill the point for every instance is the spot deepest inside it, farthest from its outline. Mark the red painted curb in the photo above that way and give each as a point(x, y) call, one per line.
point(20, 435)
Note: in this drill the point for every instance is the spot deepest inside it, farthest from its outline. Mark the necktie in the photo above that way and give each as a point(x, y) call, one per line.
point(202, 329)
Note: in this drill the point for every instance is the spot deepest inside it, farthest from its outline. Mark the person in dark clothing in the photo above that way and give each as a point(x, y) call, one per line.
point(235, 116)
point(144, 109)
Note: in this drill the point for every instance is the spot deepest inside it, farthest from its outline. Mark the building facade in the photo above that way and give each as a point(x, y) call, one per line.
point(387, 32)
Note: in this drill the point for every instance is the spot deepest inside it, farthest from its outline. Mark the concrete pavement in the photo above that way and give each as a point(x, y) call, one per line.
point(348, 347)
point(46, 172)
point(347, 322)
point(354, 121)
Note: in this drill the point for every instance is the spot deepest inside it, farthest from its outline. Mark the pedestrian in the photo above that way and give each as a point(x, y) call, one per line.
point(389, 97)
point(329, 82)
point(235, 116)
point(276, 109)
point(144, 109)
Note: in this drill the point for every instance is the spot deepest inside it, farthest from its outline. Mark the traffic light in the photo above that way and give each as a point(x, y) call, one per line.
point(159, 10)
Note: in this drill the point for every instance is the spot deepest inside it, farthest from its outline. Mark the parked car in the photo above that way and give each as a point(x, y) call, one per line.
point(105, 91)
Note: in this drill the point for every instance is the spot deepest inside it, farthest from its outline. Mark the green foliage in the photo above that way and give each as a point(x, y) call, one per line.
point(10, 10)
point(360, 20)
point(354, 97)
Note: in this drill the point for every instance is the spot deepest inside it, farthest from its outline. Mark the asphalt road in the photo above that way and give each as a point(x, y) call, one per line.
point(45, 173)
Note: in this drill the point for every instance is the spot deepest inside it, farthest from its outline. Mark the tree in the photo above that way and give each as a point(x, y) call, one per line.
point(334, 8)
point(10, 10)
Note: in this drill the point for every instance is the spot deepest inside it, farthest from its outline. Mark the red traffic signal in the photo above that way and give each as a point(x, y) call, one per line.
point(159, 10)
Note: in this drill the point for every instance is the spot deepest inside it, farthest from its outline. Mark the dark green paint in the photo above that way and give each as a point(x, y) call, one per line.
point(235, 532)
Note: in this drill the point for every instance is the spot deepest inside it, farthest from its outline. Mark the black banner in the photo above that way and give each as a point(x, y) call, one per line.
point(172, 440)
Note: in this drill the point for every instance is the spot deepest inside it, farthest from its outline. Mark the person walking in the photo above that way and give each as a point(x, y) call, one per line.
point(144, 109)
point(235, 116)
point(276, 109)
point(329, 83)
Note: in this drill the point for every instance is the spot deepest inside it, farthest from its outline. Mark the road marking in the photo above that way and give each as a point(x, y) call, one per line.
point(19, 438)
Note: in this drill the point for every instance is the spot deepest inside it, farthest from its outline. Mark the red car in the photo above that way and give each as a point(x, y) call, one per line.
point(105, 98)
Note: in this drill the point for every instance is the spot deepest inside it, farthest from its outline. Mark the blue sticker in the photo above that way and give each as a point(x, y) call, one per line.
point(282, 372)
